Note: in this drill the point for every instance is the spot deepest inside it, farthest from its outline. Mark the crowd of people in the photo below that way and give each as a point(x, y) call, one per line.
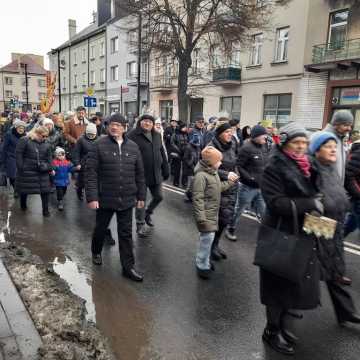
point(278, 175)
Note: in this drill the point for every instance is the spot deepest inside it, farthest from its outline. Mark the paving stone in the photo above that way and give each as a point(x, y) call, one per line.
point(10, 349)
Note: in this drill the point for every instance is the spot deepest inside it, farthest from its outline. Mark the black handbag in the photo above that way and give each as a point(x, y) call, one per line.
point(285, 255)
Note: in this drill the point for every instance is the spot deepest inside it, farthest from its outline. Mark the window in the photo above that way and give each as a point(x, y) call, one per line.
point(235, 55)
point(133, 36)
point(282, 41)
point(278, 109)
point(41, 96)
point(144, 71)
point(75, 58)
point(157, 66)
point(196, 61)
point(102, 49)
point(92, 52)
point(166, 109)
point(83, 55)
point(102, 75)
point(232, 105)
point(8, 80)
point(92, 77)
point(8, 93)
point(114, 73)
point(23, 95)
point(131, 70)
point(75, 81)
point(114, 45)
point(255, 55)
point(41, 83)
point(338, 29)
point(84, 82)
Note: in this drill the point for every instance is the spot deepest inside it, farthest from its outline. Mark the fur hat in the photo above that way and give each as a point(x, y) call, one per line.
point(211, 155)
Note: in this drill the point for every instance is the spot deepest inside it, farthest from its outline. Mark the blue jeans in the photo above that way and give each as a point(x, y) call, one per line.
point(247, 197)
point(352, 221)
point(203, 254)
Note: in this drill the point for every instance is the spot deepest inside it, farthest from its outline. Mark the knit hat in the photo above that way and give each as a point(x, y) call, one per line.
point(59, 150)
point(211, 155)
point(181, 125)
point(234, 122)
point(342, 117)
point(19, 123)
point(257, 130)
point(290, 131)
point(147, 117)
point(266, 123)
point(47, 121)
point(91, 129)
point(199, 117)
point(318, 139)
point(221, 127)
point(118, 118)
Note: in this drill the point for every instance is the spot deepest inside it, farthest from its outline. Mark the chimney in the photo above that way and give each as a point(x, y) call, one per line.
point(72, 28)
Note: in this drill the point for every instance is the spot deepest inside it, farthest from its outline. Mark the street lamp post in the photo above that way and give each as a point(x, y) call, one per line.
point(24, 65)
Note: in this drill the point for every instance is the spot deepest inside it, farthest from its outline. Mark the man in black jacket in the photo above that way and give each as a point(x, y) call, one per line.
point(155, 165)
point(252, 159)
point(114, 183)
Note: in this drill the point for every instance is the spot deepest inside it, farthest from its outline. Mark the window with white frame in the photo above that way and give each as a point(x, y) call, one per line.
point(114, 45)
point(256, 50)
point(75, 58)
point(83, 55)
point(231, 105)
point(92, 77)
point(196, 61)
point(8, 80)
point(131, 70)
point(133, 36)
point(75, 81)
point(8, 93)
point(84, 80)
point(282, 42)
point(235, 55)
point(102, 49)
point(277, 108)
point(338, 29)
point(92, 52)
point(114, 73)
point(102, 75)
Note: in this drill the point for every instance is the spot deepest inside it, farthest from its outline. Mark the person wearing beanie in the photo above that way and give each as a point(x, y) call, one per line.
point(318, 139)
point(55, 138)
point(61, 170)
point(224, 142)
point(178, 143)
point(206, 196)
point(11, 140)
point(268, 125)
point(156, 168)
point(341, 125)
point(237, 134)
point(114, 165)
point(251, 162)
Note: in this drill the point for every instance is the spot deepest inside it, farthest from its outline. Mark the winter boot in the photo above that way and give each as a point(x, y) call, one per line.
point(60, 205)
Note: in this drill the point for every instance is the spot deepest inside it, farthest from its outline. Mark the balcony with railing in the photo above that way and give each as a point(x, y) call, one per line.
point(164, 83)
point(133, 81)
point(227, 76)
point(341, 54)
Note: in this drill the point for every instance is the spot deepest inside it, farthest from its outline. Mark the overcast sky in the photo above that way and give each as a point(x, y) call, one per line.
point(36, 26)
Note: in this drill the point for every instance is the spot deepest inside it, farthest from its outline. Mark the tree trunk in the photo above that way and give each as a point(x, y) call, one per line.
point(183, 99)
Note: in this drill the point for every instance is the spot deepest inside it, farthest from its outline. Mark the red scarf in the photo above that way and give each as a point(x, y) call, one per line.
point(302, 161)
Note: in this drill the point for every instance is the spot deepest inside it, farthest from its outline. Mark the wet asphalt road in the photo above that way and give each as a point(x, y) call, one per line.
point(173, 315)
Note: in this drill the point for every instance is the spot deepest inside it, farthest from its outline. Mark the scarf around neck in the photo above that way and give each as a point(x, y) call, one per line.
point(302, 161)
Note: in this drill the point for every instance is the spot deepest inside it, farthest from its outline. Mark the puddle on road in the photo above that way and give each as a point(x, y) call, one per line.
point(78, 284)
point(5, 231)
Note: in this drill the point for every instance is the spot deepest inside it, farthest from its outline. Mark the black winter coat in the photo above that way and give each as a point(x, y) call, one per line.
point(154, 157)
point(168, 133)
point(191, 158)
point(252, 159)
point(33, 163)
point(56, 139)
point(11, 140)
point(228, 197)
point(82, 149)
point(283, 182)
point(352, 172)
point(115, 180)
point(178, 142)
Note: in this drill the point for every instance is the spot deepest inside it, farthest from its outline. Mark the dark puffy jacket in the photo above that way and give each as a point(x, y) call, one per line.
point(168, 133)
point(81, 151)
point(252, 159)
point(11, 140)
point(191, 158)
point(33, 163)
point(55, 139)
point(154, 156)
point(178, 142)
point(228, 197)
point(115, 180)
point(352, 172)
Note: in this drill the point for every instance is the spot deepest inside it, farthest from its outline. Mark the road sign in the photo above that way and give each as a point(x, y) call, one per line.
point(90, 91)
point(89, 101)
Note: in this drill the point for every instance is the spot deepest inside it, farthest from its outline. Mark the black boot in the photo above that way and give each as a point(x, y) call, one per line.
point(203, 273)
point(108, 238)
point(277, 342)
point(133, 275)
point(215, 255)
point(148, 220)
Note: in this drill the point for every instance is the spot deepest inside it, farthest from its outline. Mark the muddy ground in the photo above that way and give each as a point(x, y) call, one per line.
point(58, 314)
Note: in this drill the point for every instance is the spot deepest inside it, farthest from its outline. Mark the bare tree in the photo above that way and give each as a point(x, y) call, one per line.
point(177, 27)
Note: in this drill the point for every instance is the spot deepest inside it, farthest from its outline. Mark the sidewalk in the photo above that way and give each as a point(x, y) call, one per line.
point(19, 339)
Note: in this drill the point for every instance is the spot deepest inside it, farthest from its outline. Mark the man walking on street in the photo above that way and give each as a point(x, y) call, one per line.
point(114, 183)
point(155, 165)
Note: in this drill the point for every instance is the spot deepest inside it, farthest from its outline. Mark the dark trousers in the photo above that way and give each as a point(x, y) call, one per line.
point(124, 229)
point(218, 235)
point(176, 165)
point(157, 197)
point(44, 201)
point(60, 192)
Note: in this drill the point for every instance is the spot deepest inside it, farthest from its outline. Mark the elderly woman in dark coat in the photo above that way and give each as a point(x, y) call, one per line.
point(223, 141)
point(11, 140)
point(33, 163)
